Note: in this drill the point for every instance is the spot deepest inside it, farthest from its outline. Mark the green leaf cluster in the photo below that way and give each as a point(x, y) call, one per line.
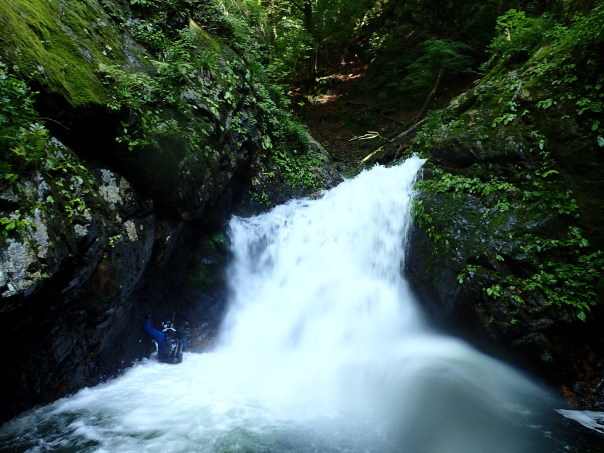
point(518, 35)
point(17, 221)
point(23, 137)
point(156, 98)
point(564, 268)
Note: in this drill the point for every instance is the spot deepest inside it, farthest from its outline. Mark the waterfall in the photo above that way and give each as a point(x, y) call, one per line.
point(317, 290)
point(323, 349)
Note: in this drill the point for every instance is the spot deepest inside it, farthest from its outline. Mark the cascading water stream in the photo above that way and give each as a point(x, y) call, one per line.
point(323, 350)
point(318, 295)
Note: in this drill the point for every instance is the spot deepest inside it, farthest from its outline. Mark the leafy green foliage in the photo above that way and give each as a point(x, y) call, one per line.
point(172, 15)
point(564, 268)
point(518, 35)
point(25, 147)
point(72, 185)
point(157, 100)
point(561, 54)
point(412, 42)
point(560, 283)
point(438, 61)
point(285, 143)
point(14, 223)
point(297, 34)
point(196, 79)
point(439, 237)
point(22, 137)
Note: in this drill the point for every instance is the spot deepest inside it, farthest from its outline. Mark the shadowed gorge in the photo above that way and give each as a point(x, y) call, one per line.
point(240, 168)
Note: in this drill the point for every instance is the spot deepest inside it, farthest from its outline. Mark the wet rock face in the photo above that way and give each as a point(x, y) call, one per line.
point(102, 213)
point(66, 278)
point(80, 272)
point(90, 254)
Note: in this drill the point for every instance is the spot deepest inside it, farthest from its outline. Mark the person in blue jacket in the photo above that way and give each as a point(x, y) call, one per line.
point(170, 343)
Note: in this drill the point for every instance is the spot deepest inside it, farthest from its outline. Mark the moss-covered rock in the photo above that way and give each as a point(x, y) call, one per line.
point(63, 43)
point(511, 201)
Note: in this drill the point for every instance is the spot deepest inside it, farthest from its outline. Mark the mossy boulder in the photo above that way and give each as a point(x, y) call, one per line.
point(63, 42)
point(66, 208)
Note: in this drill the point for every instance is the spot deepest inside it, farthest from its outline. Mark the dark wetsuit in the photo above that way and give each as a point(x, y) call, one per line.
point(163, 347)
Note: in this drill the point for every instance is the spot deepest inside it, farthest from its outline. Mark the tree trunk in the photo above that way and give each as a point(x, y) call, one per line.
point(308, 18)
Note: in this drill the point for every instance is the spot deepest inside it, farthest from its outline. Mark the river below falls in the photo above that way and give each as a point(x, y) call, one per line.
point(323, 349)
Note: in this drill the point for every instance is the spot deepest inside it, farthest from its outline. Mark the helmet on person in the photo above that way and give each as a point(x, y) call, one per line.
point(167, 325)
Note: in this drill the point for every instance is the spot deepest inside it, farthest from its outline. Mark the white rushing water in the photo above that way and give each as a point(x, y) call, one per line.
point(323, 350)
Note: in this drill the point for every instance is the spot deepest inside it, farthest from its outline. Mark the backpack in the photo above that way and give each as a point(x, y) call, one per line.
point(171, 350)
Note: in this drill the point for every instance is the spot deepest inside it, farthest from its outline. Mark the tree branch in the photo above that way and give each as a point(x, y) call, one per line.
point(431, 94)
point(297, 5)
point(411, 129)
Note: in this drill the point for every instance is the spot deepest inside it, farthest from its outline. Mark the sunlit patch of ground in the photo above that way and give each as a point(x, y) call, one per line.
point(342, 107)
